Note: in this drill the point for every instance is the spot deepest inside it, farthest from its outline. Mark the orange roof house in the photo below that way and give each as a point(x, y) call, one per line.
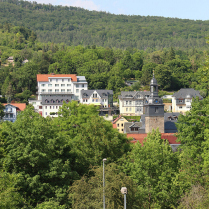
point(20, 106)
point(11, 110)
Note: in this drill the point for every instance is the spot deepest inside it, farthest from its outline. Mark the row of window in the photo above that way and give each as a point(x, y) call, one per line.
point(181, 101)
point(63, 85)
point(95, 100)
point(53, 101)
point(57, 90)
point(136, 103)
point(56, 85)
point(52, 107)
point(130, 109)
point(60, 79)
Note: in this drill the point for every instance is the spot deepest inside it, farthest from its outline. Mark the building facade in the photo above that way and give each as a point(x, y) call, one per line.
point(131, 103)
point(11, 111)
point(181, 100)
point(54, 89)
point(119, 123)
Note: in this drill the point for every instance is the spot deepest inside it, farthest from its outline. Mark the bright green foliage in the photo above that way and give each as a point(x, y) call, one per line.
point(163, 76)
point(9, 197)
point(147, 72)
point(91, 137)
point(153, 168)
point(1, 111)
point(193, 135)
point(50, 205)
point(88, 191)
point(40, 155)
point(202, 76)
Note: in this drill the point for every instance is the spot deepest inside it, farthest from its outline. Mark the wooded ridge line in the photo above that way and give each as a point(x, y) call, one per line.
point(75, 26)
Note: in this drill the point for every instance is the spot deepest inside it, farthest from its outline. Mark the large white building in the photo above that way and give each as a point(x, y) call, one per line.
point(182, 100)
point(53, 89)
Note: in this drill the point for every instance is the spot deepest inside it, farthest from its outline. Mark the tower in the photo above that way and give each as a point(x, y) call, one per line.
point(154, 109)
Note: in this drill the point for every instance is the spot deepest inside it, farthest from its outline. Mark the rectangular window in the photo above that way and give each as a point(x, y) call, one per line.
point(126, 102)
point(56, 107)
point(56, 85)
point(56, 80)
point(50, 80)
point(68, 90)
point(156, 109)
point(62, 84)
point(83, 100)
point(62, 80)
point(77, 90)
point(77, 85)
point(68, 79)
point(53, 107)
point(92, 100)
point(180, 107)
point(68, 84)
point(50, 107)
point(62, 90)
point(130, 109)
point(49, 90)
point(43, 90)
point(118, 125)
point(126, 109)
point(46, 113)
point(42, 84)
point(49, 85)
point(102, 100)
point(96, 100)
point(45, 107)
point(130, 102)
point(56, 90)
point(82, 85)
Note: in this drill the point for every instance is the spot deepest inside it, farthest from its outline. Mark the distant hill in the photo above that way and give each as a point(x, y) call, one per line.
point(74, 26)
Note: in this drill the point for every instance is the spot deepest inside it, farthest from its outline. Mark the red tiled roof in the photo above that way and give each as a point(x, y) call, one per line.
point(45, 77)
point(20, 106)
point(171, 137)
point(137, 137)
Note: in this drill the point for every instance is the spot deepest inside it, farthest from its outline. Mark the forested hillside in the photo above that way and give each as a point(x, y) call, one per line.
point(104, 68)
point(74, 26)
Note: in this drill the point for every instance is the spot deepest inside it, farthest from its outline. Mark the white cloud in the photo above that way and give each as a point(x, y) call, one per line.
point(86, 4)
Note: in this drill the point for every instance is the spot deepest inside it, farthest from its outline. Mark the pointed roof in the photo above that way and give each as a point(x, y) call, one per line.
point(20, 106)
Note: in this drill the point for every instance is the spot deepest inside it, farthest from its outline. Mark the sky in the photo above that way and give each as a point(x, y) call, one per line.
point(184, 9)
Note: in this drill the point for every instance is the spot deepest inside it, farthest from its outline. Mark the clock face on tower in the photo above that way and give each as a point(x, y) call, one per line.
point(156, 100)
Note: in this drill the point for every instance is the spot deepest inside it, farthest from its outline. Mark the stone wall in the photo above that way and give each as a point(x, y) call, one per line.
point(154, 123)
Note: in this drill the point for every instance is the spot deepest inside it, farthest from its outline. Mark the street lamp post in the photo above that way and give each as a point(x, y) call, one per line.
point(124, 191)
point(104, 182)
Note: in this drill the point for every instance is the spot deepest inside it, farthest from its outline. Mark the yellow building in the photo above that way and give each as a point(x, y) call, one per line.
point(119, 123)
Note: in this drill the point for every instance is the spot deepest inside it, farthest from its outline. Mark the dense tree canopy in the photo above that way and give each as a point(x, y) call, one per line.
point(74, 26)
